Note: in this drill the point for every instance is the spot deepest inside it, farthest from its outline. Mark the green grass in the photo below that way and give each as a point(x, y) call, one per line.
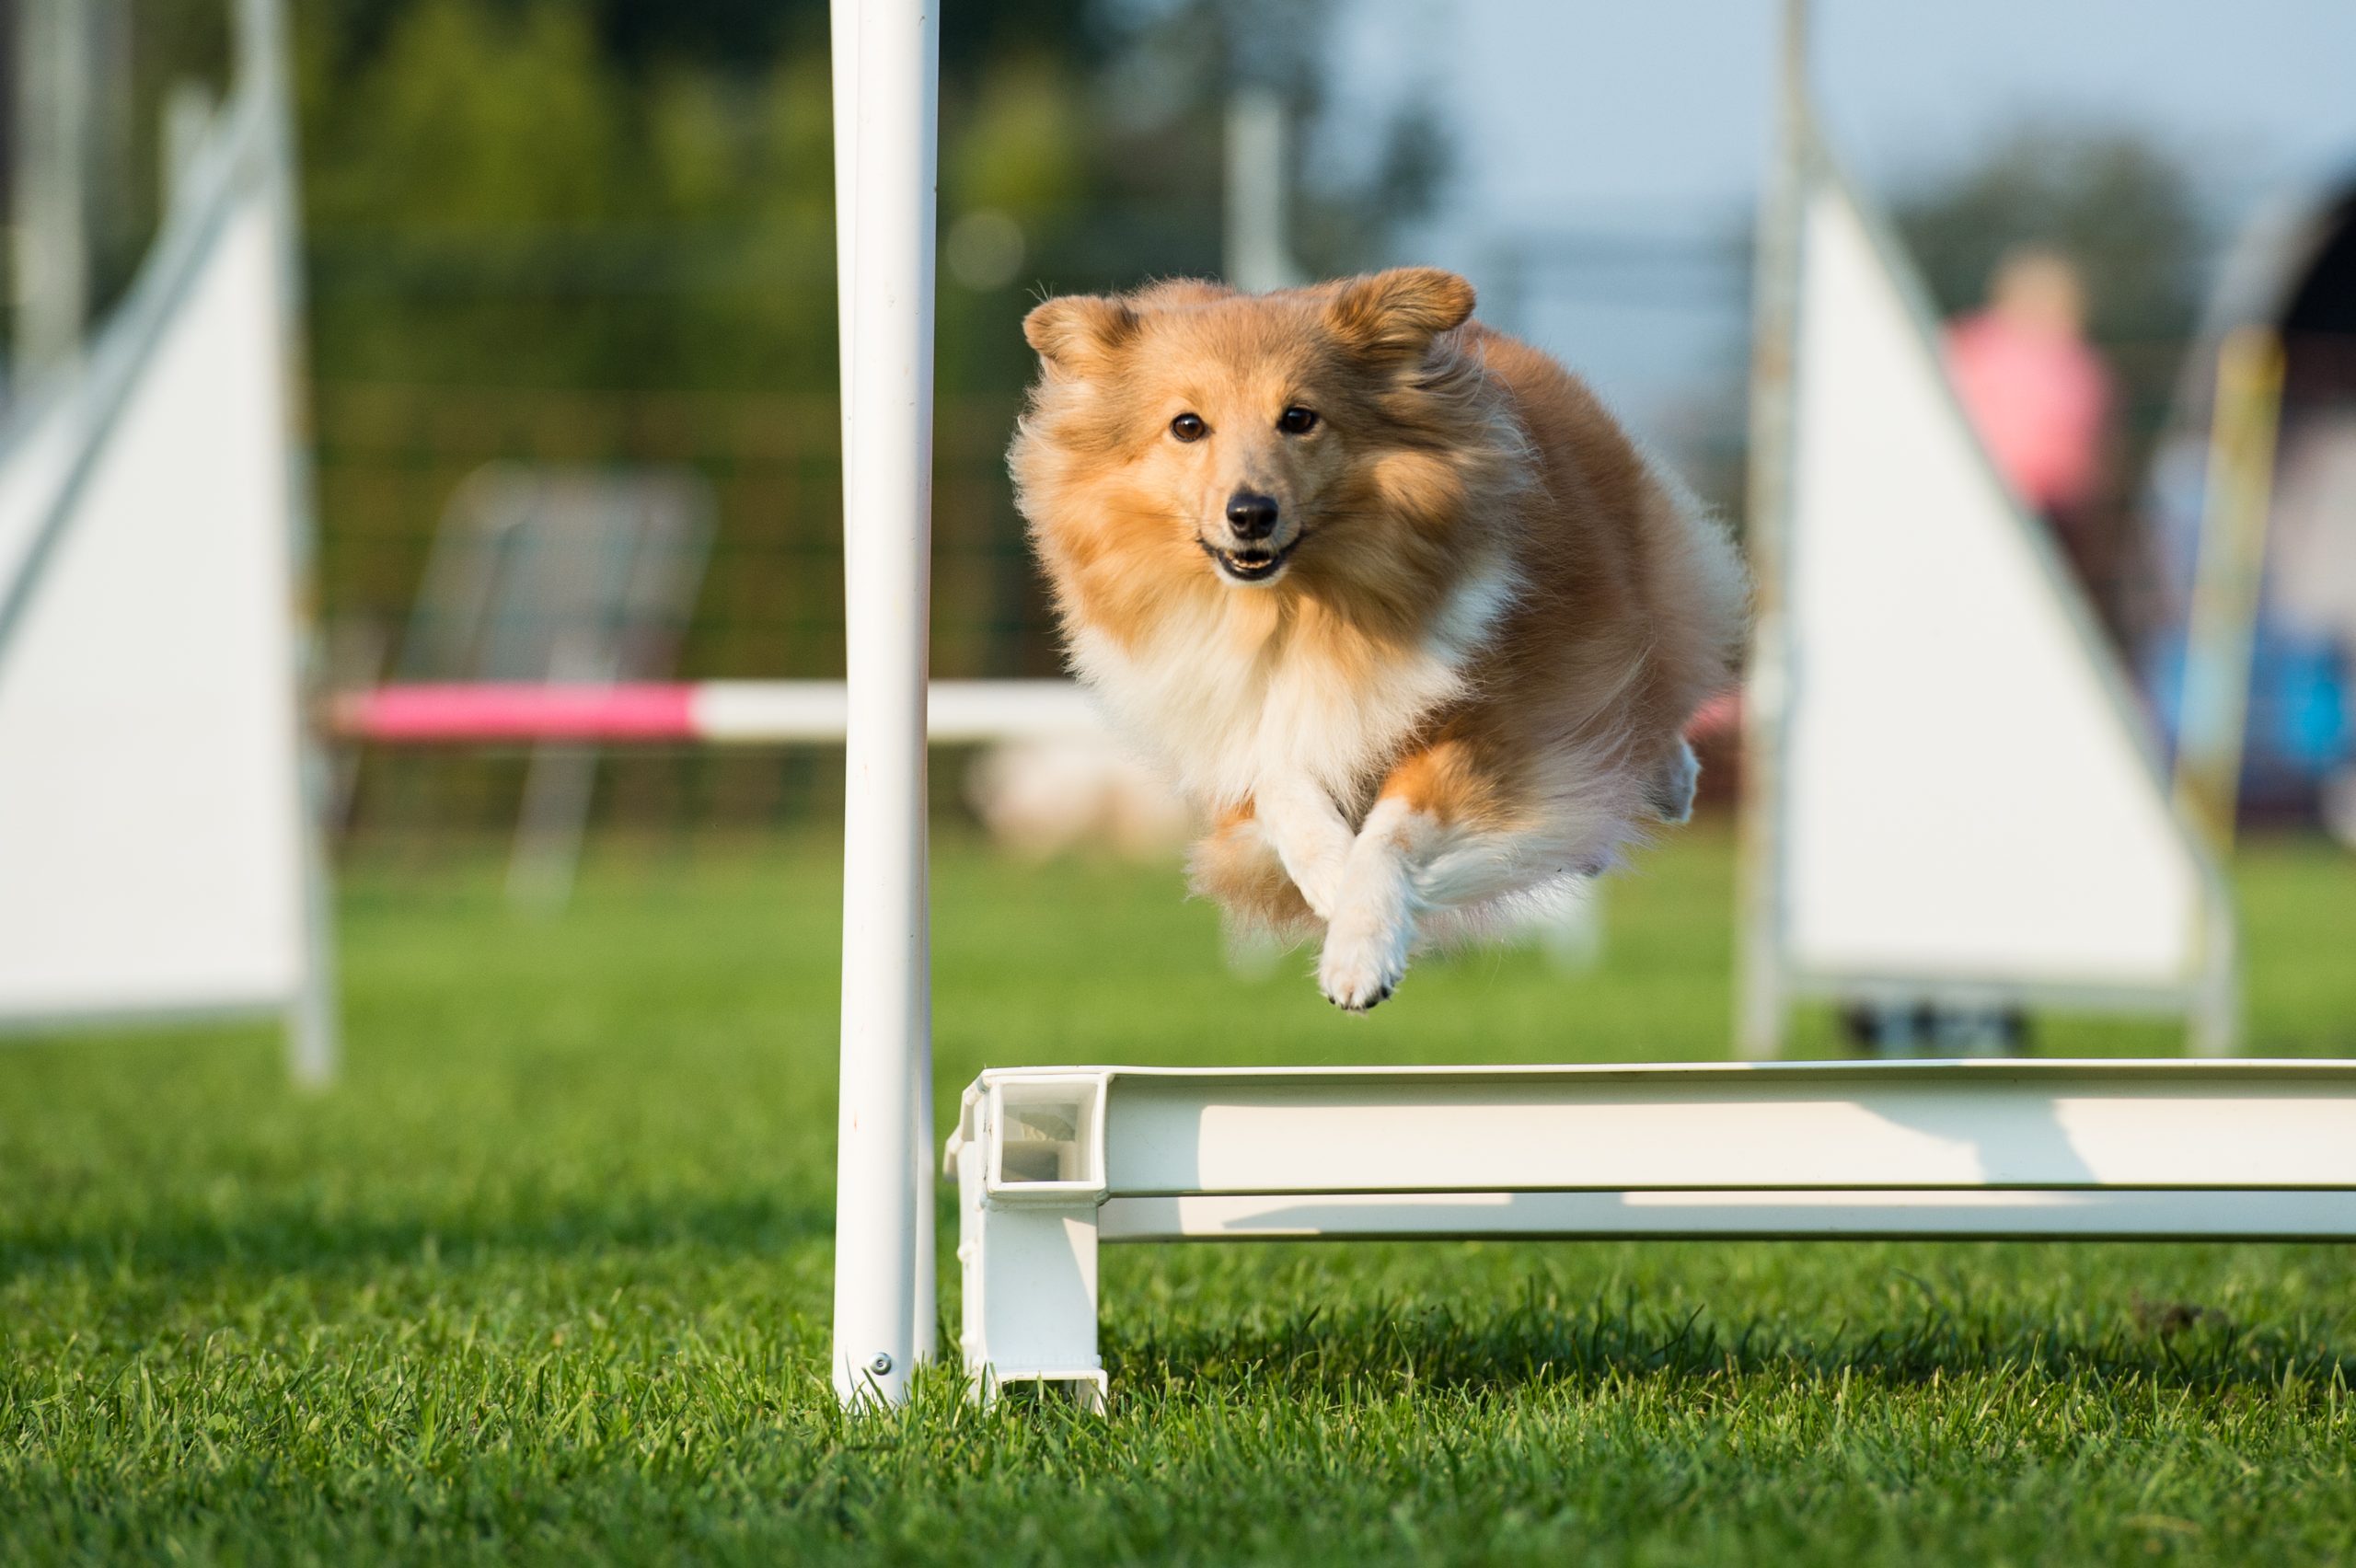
point(546, 1279)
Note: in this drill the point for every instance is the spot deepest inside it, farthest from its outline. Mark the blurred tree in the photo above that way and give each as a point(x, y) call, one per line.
point(632, 194)
point(1162, 101)
point(2117, 203)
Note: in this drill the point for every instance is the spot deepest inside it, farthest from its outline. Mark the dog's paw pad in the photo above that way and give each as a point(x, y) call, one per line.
point(1357, 976)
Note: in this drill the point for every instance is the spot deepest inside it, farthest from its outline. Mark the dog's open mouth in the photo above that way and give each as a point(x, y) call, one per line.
point(1252, 564)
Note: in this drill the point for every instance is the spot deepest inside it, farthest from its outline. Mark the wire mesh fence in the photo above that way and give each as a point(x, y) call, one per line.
point(390, 459)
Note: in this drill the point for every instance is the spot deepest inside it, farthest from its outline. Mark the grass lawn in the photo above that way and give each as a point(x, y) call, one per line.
point(546, 1279)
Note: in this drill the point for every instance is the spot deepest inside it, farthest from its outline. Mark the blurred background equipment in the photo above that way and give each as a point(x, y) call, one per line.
point(1259, 180)
point(2283, 311)
point(158, 850)
point(586, 577)
point(56, 47)
point(2221, 624)
point(1955, 809)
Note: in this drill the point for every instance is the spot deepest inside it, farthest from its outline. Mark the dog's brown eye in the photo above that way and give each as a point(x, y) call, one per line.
point(1297, 421)
point(1189, 427)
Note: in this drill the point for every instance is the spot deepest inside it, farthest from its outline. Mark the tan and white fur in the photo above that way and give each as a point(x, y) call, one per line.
point(1388, 595)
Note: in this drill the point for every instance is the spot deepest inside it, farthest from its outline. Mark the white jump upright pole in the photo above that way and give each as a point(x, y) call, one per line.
point(1760, 999)
point(887, 135)
point(313, 1024)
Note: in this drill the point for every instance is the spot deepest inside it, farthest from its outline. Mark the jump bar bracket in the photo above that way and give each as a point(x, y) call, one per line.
point(1052, 1161)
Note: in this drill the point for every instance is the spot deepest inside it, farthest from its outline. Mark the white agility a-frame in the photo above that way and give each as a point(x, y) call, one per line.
point(1952, 795)
point(1051, 1162)
point(158, 850)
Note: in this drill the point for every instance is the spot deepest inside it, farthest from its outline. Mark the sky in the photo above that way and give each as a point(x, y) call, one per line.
point(1646, 122)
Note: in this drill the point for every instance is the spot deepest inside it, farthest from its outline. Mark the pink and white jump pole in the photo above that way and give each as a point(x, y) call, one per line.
point(712, 713)
point(886, 69)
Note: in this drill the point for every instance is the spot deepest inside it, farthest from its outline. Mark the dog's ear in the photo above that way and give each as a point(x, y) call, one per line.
point(1396, 315)
point(1075, 331)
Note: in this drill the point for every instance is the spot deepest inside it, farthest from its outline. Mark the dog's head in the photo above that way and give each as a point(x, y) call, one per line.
point(1233, 437)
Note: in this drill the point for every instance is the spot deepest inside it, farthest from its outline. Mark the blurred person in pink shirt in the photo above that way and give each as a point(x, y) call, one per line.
point(2040, 399)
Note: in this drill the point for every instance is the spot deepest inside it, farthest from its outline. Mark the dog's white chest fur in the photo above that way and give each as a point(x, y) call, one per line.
point(1226, 717)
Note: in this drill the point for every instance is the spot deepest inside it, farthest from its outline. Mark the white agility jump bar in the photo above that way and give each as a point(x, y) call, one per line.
point(1052, 1161)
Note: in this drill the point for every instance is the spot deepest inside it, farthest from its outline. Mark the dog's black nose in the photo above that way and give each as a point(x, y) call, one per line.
point(1252, 516)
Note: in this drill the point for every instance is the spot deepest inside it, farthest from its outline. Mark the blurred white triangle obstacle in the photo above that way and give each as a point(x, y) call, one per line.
point(1953, 798)
point(156, 849)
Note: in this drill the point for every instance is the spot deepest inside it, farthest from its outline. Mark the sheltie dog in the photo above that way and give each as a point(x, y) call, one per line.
point(1390, 597)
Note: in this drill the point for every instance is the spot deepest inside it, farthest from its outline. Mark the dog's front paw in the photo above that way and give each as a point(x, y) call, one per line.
point(1362, 965)
point(1310, 839)
point(1317, 873)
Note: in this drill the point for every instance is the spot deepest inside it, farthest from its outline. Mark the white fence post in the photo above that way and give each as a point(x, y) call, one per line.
point(883, 1188)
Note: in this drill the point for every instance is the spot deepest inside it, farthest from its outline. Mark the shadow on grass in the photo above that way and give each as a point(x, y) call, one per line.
point(1379, 1348)
point(297, 1239)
